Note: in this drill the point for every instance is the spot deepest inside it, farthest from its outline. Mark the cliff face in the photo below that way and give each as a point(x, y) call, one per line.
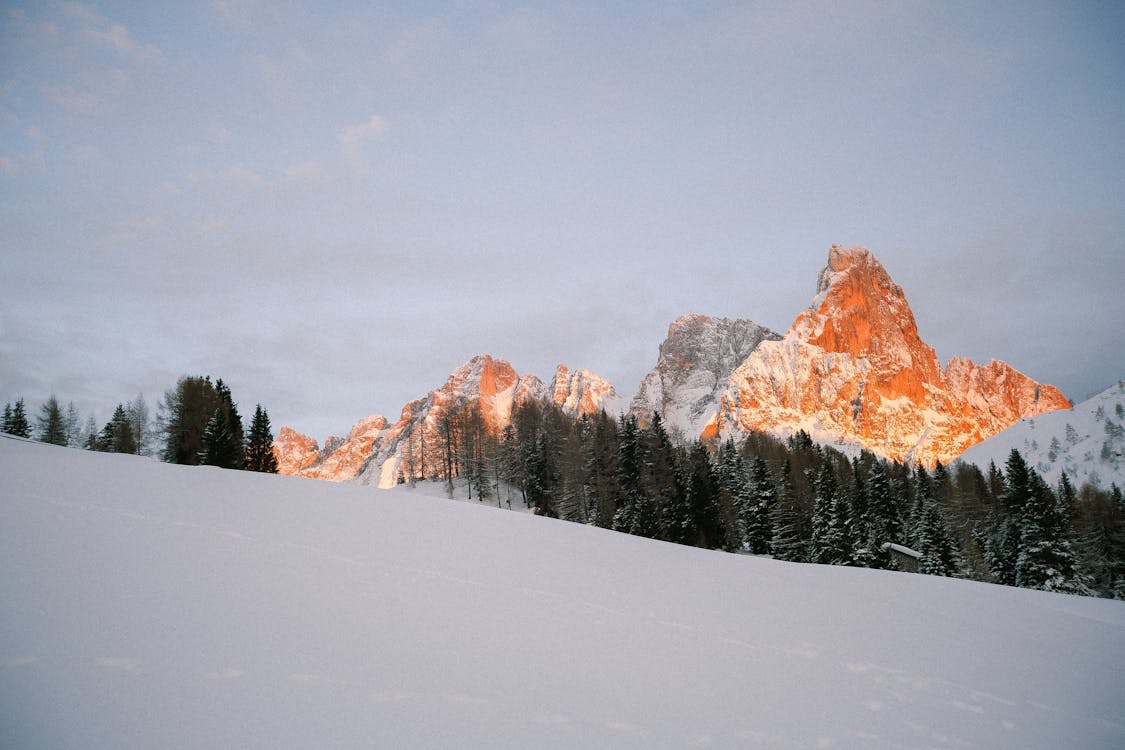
point(695, 363)
point(375, 451)
point(853, 369)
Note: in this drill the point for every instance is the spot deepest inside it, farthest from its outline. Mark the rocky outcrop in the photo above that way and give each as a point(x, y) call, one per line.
point(853, 369)
point(294, 451)
point(696, 361)
point(582, 392)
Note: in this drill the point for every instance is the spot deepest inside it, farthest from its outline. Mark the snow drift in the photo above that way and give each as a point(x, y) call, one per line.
point(145, 605)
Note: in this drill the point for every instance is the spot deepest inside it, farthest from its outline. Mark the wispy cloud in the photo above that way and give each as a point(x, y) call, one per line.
point(353, 137)
point(307, 172)
point(7, 164)
point(117, 37)
point(242, 175)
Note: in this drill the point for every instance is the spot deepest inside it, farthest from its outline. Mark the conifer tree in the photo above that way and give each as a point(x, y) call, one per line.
point(259, 443)
point(223, 438)
point(829, 534)
point(1046, 559)
point(884, 522)
point(6, 425)
point(705, 528)
point(629, 474)
point(184, 415)
point(787, 543)
point(16, 423)
point(51, 427)
point(760, 520)
point(940, 553)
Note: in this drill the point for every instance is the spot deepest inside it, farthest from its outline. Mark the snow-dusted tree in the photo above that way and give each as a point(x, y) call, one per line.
point(787, 543)
point(760, 519)
point(259, 443)
point(1046, 558)
point(52, 428)
point(884, 521)
point(117, 435)
point(830, 534)
point(941, 555)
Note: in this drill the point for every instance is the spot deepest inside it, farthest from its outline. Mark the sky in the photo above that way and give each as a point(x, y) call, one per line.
point(332, 205)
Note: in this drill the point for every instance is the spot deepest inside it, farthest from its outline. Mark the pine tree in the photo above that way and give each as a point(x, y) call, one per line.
point(628, 473)
point(760, 519)
point(16, 423)
point(1046, 559)
point(884, 522)
point(706, 527)
point(940, 553)
point(117, 435)
point(259, 444)
point(183, 418)
point(6, 425)
point(51, 427)
point(1003, 544)
point(830, 542)
point(222, 438)
point(787, 543)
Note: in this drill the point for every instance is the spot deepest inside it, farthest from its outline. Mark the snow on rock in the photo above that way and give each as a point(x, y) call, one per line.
point(147, 605)
point(1087, 442)
point(294, 451)
point(583, 392)
point(852, 368)
point(696, 360)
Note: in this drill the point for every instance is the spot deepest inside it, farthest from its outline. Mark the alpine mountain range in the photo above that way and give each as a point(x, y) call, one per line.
point(851, 371)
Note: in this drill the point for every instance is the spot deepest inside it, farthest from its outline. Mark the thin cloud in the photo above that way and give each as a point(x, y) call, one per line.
point(353, 137)
point(117, 37)
point(7, 164)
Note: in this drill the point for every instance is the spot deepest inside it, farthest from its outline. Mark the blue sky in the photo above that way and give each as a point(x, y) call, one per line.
point(333, 205)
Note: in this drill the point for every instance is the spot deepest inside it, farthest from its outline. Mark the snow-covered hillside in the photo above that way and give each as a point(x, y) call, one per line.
point(145, 605)
point(1087, 441)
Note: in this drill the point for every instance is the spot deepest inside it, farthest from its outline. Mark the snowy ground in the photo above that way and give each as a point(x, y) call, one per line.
point(149, 606)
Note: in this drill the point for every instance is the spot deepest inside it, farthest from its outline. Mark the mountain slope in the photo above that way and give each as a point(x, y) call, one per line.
point(374, 449)
point(853, 369)
point(1087, 442)
point(696, 360)
point(148, 605)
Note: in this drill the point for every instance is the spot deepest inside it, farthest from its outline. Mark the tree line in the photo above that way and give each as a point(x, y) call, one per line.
point(791, 499)
point(197, 422)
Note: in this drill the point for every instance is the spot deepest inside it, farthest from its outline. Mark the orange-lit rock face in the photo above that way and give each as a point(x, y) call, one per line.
point(580, 392)
point(852, 368)
point(294, 451)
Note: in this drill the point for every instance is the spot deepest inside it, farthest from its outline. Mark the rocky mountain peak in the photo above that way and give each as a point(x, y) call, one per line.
point(852, 369)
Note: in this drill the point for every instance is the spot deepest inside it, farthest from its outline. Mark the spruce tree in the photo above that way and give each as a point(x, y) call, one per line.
point(884, 521)
point(52, 429)
point(1046, 559)
point(6, 425)
point(628, 473)
point(941, 555)
point(830, 539)
point(259, 444)
point(760, 520)
point(222, 438)
point(787, 543)
point(16, 422)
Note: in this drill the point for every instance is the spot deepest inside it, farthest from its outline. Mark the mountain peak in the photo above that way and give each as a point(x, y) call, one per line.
point(853, 368)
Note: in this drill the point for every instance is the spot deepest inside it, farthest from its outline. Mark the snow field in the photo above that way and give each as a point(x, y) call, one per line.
point(146, 605)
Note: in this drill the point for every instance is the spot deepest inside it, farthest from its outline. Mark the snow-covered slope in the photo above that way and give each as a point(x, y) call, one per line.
point(145, 605)
point(1087, 442)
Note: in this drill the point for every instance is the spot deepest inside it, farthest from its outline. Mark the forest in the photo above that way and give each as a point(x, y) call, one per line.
point(792, 499)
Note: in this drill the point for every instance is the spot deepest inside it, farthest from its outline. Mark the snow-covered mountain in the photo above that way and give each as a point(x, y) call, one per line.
point(145, 605)
point(1087, 442)
point(695, 363)
point(853, 369)
point(374, 450)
